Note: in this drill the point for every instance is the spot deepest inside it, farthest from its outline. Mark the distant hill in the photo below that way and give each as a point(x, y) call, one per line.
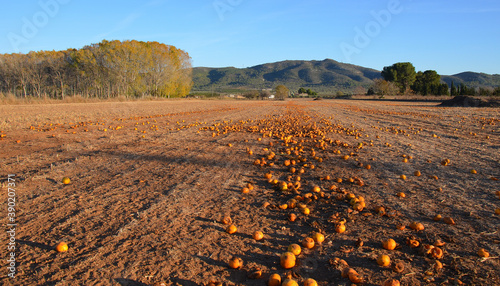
point(321, 76)
point(327, 76)
point(473, 79)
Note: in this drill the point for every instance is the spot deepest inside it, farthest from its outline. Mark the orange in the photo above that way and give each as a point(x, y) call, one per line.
point(66, 180)
point(308, 242)
point(289, 282)
point(258, 235)
point(287, 260)
point(310, 282)
point(274, 280)
point(416, 226)
point(340, 228)
point(389, 244)
point(391, 282)
point(318, 237)
point(483, 253)
point(62, 247)
point(235, 262)
point(383, 260)
point(294, 248)
point(231, 229)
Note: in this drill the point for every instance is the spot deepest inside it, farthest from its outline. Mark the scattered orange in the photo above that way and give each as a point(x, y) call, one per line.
point(235, 262)
point(340, 228)
point(274, 280)
point(294, 248)
point(318, 237)
point(389, 244)
point(383, 260)
point(287, 260)
point(289, 282)
point(449, 220)
point(231, 229)
point(416, 226)
point(66, 180)
point(226, 220)
point(308, 242)
point(483, 253)
point(391, 282)
point(258, 235)
point(310, 282)
point(61, 247)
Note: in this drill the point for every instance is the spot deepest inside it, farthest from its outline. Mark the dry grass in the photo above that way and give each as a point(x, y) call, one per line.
point(10, 99)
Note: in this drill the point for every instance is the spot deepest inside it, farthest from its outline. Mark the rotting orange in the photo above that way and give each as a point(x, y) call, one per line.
point(289, 282)
point(226, 220)
point(308, 242)
point(258, 235)
point(340, 228)
point(483, 253)
point(235, 262)
point(295, 249)
point(318, 237)
point(287, 260)
point(391, 282)
point(416, 226)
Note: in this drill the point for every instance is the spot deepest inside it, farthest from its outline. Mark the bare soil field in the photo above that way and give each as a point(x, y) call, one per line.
point(152, 181)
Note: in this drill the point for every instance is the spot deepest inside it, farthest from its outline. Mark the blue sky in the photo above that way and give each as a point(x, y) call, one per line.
point(449, 36)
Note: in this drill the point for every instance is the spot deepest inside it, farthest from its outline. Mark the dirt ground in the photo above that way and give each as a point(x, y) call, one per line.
point(151, 182)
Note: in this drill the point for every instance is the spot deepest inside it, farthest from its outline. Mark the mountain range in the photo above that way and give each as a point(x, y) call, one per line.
point(327, 76)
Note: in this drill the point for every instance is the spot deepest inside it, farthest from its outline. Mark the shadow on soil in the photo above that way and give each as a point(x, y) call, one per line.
point(35, 244)
point(129, 282)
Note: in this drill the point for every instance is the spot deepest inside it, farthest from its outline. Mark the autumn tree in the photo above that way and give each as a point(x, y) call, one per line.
point(264, 94)
point(383, 87)
point(106, 69)
point(251, 94)
point(281, 92)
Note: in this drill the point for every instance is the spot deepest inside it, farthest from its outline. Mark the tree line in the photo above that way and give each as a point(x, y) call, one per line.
point(104, 70)
point(401, 78)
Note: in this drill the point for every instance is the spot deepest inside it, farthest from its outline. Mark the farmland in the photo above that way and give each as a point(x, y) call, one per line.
point(152, 181)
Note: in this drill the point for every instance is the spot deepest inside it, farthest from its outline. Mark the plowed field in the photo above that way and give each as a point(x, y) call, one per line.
point(152, 181)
